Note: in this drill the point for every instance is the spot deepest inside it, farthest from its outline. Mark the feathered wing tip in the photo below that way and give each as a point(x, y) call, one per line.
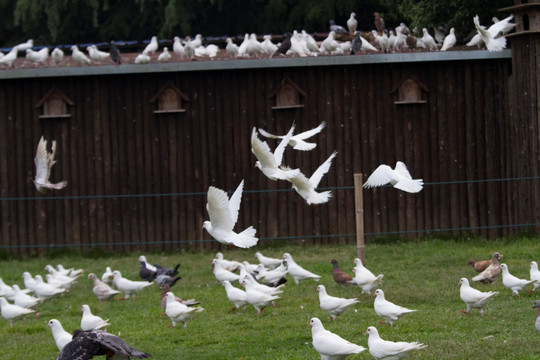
point(59, 185)
point(268, 135)
point(496, 44)
point(411, 186)
point(246, 238)
point(319, 198)
point(288, 173)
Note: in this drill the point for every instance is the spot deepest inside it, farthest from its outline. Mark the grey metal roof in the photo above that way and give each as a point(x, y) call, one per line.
point(240, 64)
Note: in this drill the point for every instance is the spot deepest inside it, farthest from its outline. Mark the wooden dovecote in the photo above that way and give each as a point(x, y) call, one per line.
point(54, 104)
point(527, 17)
point(169, 100)
point(410, 91)
point(288, 95)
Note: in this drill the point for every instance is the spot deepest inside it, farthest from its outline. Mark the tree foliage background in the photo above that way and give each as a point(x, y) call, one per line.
point(51, 22)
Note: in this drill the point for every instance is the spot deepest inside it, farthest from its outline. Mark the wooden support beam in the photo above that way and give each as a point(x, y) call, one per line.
point(359, 212)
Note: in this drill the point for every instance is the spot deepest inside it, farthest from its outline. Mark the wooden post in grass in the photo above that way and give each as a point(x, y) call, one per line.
point(359, 213)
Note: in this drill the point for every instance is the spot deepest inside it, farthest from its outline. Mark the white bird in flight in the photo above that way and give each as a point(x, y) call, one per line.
point(399, 177)
point(223, 214)
point(491, 37)
point(297, 142)
point(44, 162)
point(306, 187)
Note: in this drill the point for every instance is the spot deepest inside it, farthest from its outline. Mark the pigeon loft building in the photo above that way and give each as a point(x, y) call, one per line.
point(140, 144)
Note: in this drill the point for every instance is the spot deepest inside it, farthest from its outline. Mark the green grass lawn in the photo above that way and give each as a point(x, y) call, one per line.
point(420, 275)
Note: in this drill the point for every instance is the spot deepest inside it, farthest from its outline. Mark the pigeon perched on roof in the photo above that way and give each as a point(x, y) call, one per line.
point(479, 266)
point(57, 55)
point(11, 312)
point(61, 336)
point(114, 53)
point(360, 44)
point(306, 188)
point(152, 46)
point(385, 349)
point(223, 213)
point(79, 56)
point(492, 271)
point(399, 177)
point(268, 262)
point(329, 45)
point(311, 44)
point(165, 56)
point(428, 40)
point(37, 56)
point(536, 306)
point(329, 345)
point(297, 45)
point(231, 48)
point(189, 50)
point(253, 47)
point(143, 58)
point(449, 40)
point(512, 282)
point(101, 289)
point(179, 312)
point(297, 272)
point(352, 24)
point(44, 162)
point(337, 29)
point(90, 321)
point(268, 46)
point(235, 295)
point(339, 275)
point(473, 298)
point(87, 344)
point(284, 46)
point(379, 22)
point(178, 48)
point(297, 142)
point(389, 311)
point(490, 37)
point(333, 305)
point(22, 47)
point(535, 274)
point(9, 58)
point(128, 287)
point(258, 299)
point(96, 54)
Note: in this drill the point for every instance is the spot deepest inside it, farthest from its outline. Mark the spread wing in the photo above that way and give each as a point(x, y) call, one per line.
point(402, 170)
point(262, 151)
point(315, 179)
point(268, 135)
point(219, 210)
point(44, 161)
point(301, 182)
point(280, 149)
point(307, 134)
point(499, 27)
point(234, 202)
point(119, 346)
point(381, 176)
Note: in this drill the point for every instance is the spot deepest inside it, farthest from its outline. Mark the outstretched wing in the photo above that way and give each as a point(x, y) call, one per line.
point(381, 176)
point(234, 202)
point(402, 170)
point(262, 151)
point(44, 161)
point(268, 135)
point(119, 346)
point(218, 209)
point(315, 179)
point(280, 149)
point(307, 134)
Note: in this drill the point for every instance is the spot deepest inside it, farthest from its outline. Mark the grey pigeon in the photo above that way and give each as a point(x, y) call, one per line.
point(114, 53)
point(145, 273)
point(284, 47)
point(338, 29)
point(166, 279)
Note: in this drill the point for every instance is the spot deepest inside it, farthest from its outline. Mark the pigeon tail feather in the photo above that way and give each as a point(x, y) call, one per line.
point(319, 198)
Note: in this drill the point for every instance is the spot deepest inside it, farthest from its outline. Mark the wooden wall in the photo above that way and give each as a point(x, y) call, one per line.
point(114, 144)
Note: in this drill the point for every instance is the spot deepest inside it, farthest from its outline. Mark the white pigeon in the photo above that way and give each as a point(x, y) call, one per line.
point(178, 48)
point(268, 46)
point(498, 28)
point(333, 305)
point(189, 50)
point(235, 295)
point(11, 312)
point(46, 291)
point(535, 274)
point(152, 46)
point(64, 282)
point(128, 287)
point(449, 40)
point(473, 298)
point(329, 345)
point(311, 44)
point(178, 312)
point(242, 48)
point(270, 163)
point(512, 282)
point(399, 177)
point(71, 272)
point(297, 45)
point(44, 162)
point(37, 56)
point(253, 46)
point(389, 311)
point(149, 266)
point(536, 305)
point(231, 265)
point(256, 298)
point(57, 55)
point(428, 40)
point(306, 188)
point(231, 48)
point(493, 43)
point(61, 336)
point(96, 54)
point(165, 55)
point(366, 45)
point(6, 290)
point(79, 56)
point(54, 272)
point(101, 289)
point(329, 45)
point(223, 213)
point(90, 321)
point(22, 47)
point(22, 299)
point(195, 43)
point(107, 276)
point(389, 350)
point(29, 281)
point(270, 290)
point(250, 268)
point(297, 272)
point(221, 274)
point(9, 58)
point(352, 24)
point(270, 276)
point(364, 278)
point(268, 262)
point(143, 58)
point(297, 142)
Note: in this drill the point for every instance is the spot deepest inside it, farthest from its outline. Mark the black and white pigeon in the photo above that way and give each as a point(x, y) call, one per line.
point(114, 53)
point(146, 273)
point(87, 344)
point(338, 29)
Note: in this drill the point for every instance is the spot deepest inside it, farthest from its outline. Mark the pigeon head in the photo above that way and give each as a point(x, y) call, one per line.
point(315, 322)
point(534, 265)
point(463, 281)
point(379, 294)
point(496, 257)
point(372, 331)
point(92, 276)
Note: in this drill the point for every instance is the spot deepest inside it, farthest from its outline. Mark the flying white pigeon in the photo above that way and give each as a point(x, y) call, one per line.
point(12, 312)
point(223, 213)
point(152, 46)
point(235, 295)
point(107, 276)
point(537, 322)
point(165, 55)
point(352, 24)
point(178, 312)
point(449, 40)
point(127, 286)
point(297, 142)
point(389, 350)
point(364, 278)
point(493, 43)
point(512, 282)
point(44, 162)
point(535, 274)
point(498, 29)
point(46, 291)
point(143, 58)
point(388, 310)
point(61, 336)
point(79, 56)
point(57, 55)
point(90, 321)
point(333, 305)
point(399, 177)
point(37, 56)
point(256, 298)
point(474, 298)
point(428, 40)
point(270, 163)
point(10, 57)
point(329, 345)
point(101, 289)
point(306, 188)
point(268, 262)
point(22, 299)
point(221, 274)
point(297, 272)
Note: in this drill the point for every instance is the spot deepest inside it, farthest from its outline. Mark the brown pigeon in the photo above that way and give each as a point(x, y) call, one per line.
point(339, 276)
point(479, 266)
point(492, 271)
